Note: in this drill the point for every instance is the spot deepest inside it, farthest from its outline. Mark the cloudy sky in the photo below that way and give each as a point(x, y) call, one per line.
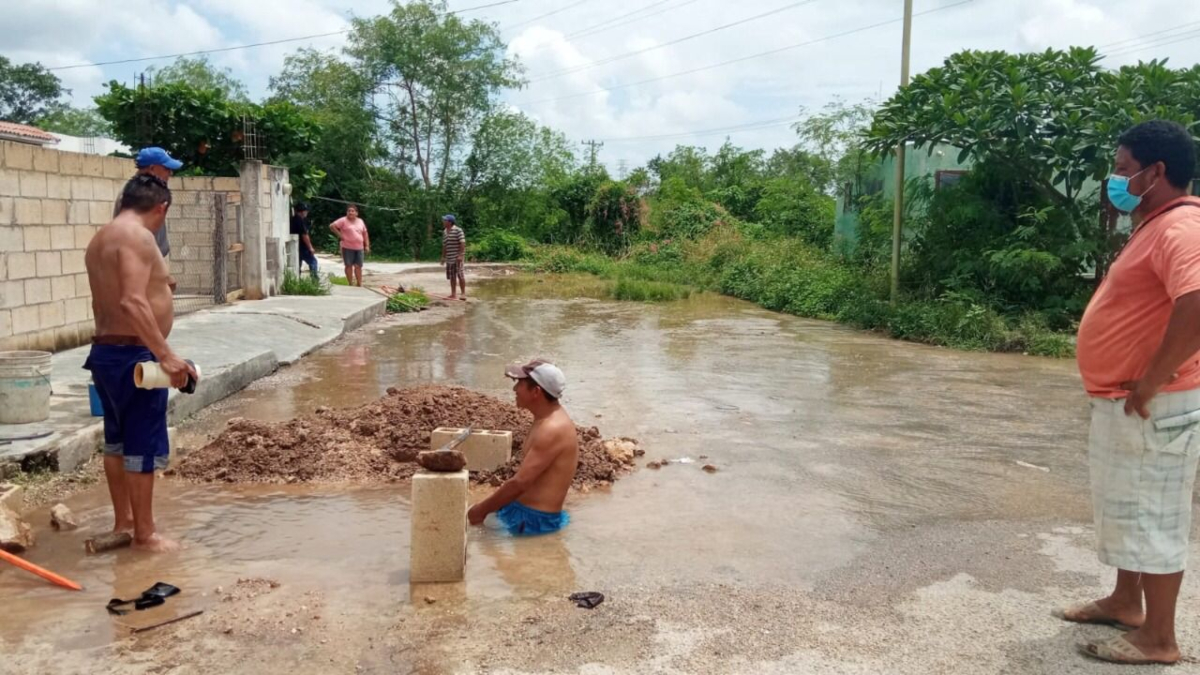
point(587, 60)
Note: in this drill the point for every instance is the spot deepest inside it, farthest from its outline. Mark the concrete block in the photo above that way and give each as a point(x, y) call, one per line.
point(79, 213)
point(485, 450)
point(92, 165)
point(57, 186)
point(49, 264)
point(81, 188)
point(118, 169)
point(72, 262)
point(37, 238)
point(5, 323)
point(12, 294)
point(101, 212)
point(62, 236)
point(75, 310)
point(83, 287)
point(51, 315)
point(8, 216)
point(33, 184)
point(70, 164)
point(82, 235)
point(10, 183)
point(45, 160)
point(18, 156)
point(38, 291)
point(25, 319)
point(22, 265)
point(439, 527)
point(225, 184)
point(106, 189)
point(61, 287)
point(28, 211)
point(54, 211)
point(198, 183)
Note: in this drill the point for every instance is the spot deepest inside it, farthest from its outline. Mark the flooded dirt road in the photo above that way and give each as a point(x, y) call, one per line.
point(879, 507)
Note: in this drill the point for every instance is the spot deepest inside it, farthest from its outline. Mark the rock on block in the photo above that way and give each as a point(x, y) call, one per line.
point(485, 450)
point(439, 526)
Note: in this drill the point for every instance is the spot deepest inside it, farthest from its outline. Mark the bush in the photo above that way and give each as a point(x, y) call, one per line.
point(499, 246)
point(413, 300)
point(640, 290)
point(294, 284)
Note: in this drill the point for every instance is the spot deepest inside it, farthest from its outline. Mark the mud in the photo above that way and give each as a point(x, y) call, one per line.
point(377, 442)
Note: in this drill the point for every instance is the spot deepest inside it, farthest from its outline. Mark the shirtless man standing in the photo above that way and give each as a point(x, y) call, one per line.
point(131, 302)
point(531, 502)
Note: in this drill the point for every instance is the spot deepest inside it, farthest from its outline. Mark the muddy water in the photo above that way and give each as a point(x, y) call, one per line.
point(824, 439)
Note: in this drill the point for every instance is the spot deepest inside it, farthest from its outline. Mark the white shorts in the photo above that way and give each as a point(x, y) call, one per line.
point(1142, 473)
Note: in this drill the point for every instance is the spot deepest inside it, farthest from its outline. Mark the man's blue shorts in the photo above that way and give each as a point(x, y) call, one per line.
point(135, 420)
point(520, 520)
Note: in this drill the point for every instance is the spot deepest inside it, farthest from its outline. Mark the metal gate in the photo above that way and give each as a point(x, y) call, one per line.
point(205, 232)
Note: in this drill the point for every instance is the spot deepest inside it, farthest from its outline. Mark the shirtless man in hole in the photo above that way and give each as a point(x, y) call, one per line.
point(531, 502)
point(131, 301)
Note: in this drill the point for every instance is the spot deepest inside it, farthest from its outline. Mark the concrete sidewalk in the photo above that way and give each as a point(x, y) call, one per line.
point(234, 345)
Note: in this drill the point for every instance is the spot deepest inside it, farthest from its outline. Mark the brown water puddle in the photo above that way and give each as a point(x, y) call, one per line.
point(823, 437)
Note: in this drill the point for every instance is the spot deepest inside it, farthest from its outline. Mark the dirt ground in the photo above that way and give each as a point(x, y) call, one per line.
point(378, 442)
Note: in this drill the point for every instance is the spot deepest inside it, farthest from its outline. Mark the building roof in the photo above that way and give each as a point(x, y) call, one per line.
point(23, 133)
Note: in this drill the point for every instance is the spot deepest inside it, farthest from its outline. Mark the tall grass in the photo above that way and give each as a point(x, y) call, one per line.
point(295, 284)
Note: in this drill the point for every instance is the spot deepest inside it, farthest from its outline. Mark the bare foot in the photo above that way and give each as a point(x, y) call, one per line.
point(123, 527)
point(1106, 611)
point(156, 543)
point(454, 297)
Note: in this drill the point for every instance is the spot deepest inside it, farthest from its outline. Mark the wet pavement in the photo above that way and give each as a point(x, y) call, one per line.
point(867, 491)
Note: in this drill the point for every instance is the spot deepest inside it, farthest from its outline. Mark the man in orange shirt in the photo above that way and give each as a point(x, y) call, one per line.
point(1139, 355)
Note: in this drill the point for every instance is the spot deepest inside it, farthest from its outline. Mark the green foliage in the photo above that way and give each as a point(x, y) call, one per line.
point(335, 280)
point(294, 284)
point(615, 215)
point(198, 73)
point(201, 127)
point(640, 290)
point(795, 209)
point(833, 136)
point(28, 92)
point(82, 122)
point(413, 300)
point(498, 246)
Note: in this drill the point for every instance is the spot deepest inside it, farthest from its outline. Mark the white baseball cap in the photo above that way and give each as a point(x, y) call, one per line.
point(547, 376)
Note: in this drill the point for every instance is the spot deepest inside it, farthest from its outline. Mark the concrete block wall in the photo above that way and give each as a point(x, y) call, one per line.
point(190, 226)
point(51, 203)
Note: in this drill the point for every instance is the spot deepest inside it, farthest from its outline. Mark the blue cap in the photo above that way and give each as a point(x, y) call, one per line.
point(450, 217)
point(156, 157)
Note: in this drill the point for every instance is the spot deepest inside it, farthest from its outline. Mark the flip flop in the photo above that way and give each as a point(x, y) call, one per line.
point(1121, 651)
point(1095, 614)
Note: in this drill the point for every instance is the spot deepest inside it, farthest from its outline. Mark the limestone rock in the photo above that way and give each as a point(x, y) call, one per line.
point(622, 450)
point(61, 518)
point(443, 461)
point(15, 534)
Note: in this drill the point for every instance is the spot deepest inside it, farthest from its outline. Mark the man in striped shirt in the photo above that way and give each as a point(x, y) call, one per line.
point(454, 251)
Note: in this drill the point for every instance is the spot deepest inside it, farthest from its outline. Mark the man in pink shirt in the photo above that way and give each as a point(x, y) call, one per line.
point(352, 231)
point(1139, 355)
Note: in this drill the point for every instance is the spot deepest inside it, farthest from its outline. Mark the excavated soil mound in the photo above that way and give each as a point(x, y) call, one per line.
point(379, 442)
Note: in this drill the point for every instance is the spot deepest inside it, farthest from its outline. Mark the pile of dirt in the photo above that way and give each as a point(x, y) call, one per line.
point(379, 442)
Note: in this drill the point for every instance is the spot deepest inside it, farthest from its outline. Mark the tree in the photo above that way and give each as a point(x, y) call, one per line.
point(437, 75)
point(201, 127)
point(199, 73)
point(27, 91)
point(1053, 116)
point(835, 136)
point(511, 150)
point(82, 122)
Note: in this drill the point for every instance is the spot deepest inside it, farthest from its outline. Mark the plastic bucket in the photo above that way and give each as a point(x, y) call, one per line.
point(24, 387)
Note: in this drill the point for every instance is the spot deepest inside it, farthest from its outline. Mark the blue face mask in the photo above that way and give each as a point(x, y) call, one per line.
point(1119, 195)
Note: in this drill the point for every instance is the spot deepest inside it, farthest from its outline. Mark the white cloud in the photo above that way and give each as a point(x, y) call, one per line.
point(852, 67)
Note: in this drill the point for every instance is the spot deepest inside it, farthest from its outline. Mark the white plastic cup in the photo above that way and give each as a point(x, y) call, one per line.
point(150, 375)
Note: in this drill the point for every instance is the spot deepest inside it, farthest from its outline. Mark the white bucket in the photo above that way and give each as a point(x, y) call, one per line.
point(24, 387)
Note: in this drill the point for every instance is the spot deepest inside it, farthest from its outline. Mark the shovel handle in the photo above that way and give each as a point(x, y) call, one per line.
point(43, 573)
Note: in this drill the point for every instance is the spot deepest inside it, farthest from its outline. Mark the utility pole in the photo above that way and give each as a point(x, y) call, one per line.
point(593, 148)
point(898, 214)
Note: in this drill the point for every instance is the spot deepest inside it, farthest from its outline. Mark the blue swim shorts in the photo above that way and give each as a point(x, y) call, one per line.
point(135, 420)
point(520, 520)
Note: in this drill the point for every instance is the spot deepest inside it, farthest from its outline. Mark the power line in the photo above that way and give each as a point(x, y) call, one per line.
point(761, 124)
point(615, 22)
point(542, 16)
point(1161, 42)
point(256, 44)
point(676, 41)
point(1139, 38)
point(748, 57)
